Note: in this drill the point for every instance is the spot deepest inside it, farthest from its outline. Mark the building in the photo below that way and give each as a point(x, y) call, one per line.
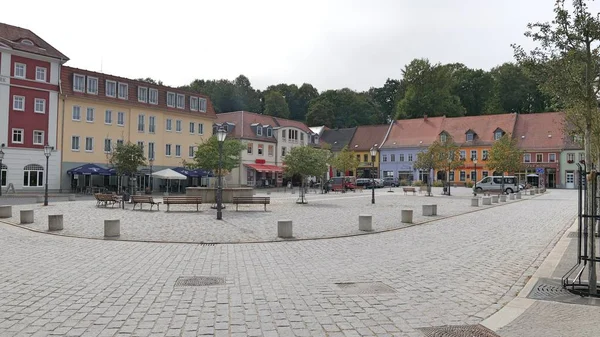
point(97, 111)
point(572, 154)
point(541, 138)
point(29, 88)
point(336, 140)
point(367, 137)
point(406, 139)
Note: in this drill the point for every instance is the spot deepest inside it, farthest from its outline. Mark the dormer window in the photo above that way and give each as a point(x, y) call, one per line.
point(269, 132)
point(259, 130)
point(443, 138)
point(27, 42)
point(497, 135)
point(470, 137)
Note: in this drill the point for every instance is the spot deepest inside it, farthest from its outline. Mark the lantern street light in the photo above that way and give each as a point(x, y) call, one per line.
point(373, 153)
point(47, 152)
point(151, 162)
point(475, 188)
point(448, 175)
point(221, 134)
point(1, 172)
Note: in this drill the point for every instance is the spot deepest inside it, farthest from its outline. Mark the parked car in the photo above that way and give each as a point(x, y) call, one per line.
point(390, 181)
point(379, 183)
point(364, 182)
point(340, 184)
point(494, 184)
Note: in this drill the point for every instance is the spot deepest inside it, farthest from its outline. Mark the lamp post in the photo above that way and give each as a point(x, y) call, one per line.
point(475, 164)
point(47, 152)
point(373, 153)
point(221, 134)
point(1, 174)
point(151, 161)
point(448, 175)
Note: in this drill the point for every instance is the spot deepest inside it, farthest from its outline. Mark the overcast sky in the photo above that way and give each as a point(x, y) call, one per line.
point(330, 44)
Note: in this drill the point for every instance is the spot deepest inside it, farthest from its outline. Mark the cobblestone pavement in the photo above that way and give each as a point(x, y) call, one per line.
point(452, 271)
point(326, 215)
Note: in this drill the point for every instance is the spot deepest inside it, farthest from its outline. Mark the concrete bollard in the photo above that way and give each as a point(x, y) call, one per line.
point(284, 229)
point(112, 228)
point(55, 222)
point(407, 215)
point(26, 216)
point(503, 198)
point(5, 211)
point(39, 199)
point(511, 196)
point(475, 202)
point(365, 223)
point(429, 210)
point(487, 201)
point(71, 197)
point(519, 195)
point(495, 199)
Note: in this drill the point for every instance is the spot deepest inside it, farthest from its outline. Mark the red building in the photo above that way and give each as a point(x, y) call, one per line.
point(29, 87)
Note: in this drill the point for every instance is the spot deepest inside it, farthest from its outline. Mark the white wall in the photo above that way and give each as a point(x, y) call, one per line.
point(16, 158)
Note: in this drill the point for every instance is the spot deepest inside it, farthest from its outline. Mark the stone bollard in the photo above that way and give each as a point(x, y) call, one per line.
point(5, 211)
point(503, 198)
point(26, 216)
point(511, 196)
point(531, 192)
point(71, 197)
point(407, 215)
point(39, 199)
point(429, 210)
point(365, 222)
point(487, 201)
point(519, 195)
point(112, 228)
point(55, 222)
point(495, 199)
point(475, 202)
point(284, 229)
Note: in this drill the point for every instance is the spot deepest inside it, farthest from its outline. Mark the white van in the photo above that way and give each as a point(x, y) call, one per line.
point(494, 184)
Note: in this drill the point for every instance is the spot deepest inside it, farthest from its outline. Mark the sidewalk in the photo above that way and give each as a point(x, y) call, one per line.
point(549, 310)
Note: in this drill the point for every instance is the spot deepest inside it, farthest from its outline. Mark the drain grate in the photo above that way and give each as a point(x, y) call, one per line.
point(458, 331)
point(363, 288)
point(199, 281)
point(573, 235)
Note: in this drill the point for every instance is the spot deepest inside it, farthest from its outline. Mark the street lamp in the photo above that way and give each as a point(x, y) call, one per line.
point(373, 153)
point(475, 190)
point(151, 161)
point(448, 175)
point(1, 158)
point(47, 152)
point(221, 134)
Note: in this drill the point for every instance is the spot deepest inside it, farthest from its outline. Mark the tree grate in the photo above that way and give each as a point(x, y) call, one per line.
point(365, 288)
point(199, 281)
point(458, 331)
point(547, 289)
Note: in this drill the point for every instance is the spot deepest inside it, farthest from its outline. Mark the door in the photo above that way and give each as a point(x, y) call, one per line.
point(570, 179)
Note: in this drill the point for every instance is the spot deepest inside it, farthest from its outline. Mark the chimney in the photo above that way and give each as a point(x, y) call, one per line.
point(425, 117)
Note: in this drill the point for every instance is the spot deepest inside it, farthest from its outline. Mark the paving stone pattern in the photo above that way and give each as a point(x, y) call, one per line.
point(455, 271)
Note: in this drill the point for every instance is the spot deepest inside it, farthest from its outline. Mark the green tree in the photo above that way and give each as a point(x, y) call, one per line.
point(126, 159)
point(428, 160)
point(207, 155)
point(306, 93)
point(345, 160)
point(229, 95)
point(305, 161)
point(387, 98)
point(505, 156)
point(447, 156)
point(476, 89)
point(517, 91)
point(276, 105)
point(342, 108)
point(150, 80)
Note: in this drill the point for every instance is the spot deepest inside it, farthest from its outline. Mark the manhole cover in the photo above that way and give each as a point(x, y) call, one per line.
point(458, 331)
point(199, 281)
point(359, 288)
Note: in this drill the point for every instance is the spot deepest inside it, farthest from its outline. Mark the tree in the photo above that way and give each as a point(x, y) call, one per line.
point(517, 91)
point(345, 160)
point(305, 161)
point(566, 62)
point(150, 80)
point(228, 95)
point(207, 155)
point(428, 160)
point(126, 159)
point(505, 156)
point(387, 98)
point(447, 156)
point(276, 105)
point(475, 88)
point(341, 109)
point(306, 93)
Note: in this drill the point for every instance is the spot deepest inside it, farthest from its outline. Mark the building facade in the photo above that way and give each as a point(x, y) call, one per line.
point(29, 89)
point(572, 154)
point(336, 140)
point(367, 137)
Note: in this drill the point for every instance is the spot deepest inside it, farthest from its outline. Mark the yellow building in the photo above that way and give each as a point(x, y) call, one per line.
point(98, 111)
point(366, 137)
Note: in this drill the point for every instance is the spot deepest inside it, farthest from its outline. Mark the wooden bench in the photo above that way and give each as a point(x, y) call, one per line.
point(251, 201)
point(409, 189)
point(144, 199)
point(183, 200)
point(105, 199)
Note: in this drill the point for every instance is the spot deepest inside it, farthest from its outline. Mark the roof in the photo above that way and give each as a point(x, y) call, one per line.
point(413, 132)
point(540, 131)
point(67, 89)
point(367, 136)
point(282, 122)
point(484, 126)
point(318, 129)
point(337, 138)
point(246, 119)
point(13, 37)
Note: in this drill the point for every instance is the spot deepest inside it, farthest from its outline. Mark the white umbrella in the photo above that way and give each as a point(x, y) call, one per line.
point(169, 174)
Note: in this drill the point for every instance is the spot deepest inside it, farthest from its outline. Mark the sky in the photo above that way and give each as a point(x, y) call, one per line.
point(330, 44)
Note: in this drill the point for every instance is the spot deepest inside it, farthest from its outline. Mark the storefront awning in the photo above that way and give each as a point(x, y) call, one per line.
point(264, 168)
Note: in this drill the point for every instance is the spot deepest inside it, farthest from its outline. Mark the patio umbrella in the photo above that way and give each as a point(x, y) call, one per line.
point(169, 175)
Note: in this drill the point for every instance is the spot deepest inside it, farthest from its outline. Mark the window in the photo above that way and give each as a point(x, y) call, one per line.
point(194, 103)
point(78, 83)
point(581, 156)
point(451, 176)
point(180, 101)
point(539, 157)
point(107, 145)
point(271, 150)
point(469, 137)
point(40, 74)
point(177, 126)
point(3, 169)
point(259, 130)
point(250, 147)
point(283, 151)
point(38, 137)
point(570, 157)
point(108, 117)
point(192, 128)
point(151, 150)
point(89, 144)
point(260, 149)
point(177, 150)
point(463, 154)
point(89, 115)
point(171, 99)
point(527, 158)
point(484, 174)
point(191, 152)
point(120, 118)
point(484, 154)
point(462, 176)
point(293, 135)
point(169, 124)
point(168, 150)
point(18, 103)
point(142, 94)
point(92, 85)
point(301, 136)
point(140, 144)
point(153, 97)
point(119, 142)
point(410, 157)
point(552, 157)
point(497, 135)
point(358, 157)
point(151, 124)
point(123, 90)
point(473, 154)
point(401, 157)
point(443, 137)
point(365, 158)
point(75, 143)
point(76, 115)
point(384, 157)
point(202, 104)
point(20, 70)
point(577, 139)
point(40, 106)
point(141, 123)
point(392, 157)
point(269, 132)
point(33, 176)
point(111, 88)
point(283, 134)
point(17, 136)
point(200, 128)
point(473, 176)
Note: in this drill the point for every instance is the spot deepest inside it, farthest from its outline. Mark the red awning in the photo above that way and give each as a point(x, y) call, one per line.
point(264, 167)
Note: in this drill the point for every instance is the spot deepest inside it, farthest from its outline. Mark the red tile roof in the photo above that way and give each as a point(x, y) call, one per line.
point(13, 37)
point(367, 136)
point(540, 131)
point(243, 121)
point(483, 126)
point(414, 132)
point(282, 122)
